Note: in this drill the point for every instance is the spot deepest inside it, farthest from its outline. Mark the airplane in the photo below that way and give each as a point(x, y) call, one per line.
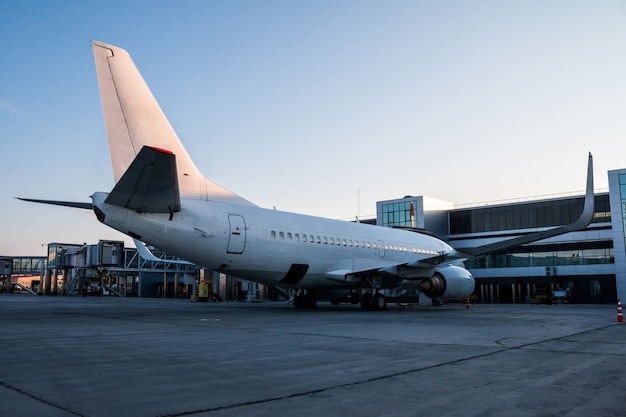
point(161, 198)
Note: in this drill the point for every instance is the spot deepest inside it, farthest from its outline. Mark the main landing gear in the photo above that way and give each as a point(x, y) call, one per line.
point(305, 299)
point(374, 301)
point(371, 301)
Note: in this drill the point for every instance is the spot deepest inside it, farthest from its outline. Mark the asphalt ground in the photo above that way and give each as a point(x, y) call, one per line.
point(108, 356)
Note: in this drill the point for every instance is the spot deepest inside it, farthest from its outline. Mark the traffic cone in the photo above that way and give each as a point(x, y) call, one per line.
point(467, 303)
point(620, 313)
point(193, 298)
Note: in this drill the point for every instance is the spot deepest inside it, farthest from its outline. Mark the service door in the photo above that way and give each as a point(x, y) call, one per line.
point(237, 237)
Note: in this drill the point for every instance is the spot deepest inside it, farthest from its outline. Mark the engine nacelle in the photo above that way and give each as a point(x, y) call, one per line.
point(448, 282)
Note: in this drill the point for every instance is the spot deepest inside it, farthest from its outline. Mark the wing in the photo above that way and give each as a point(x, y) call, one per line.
point(361, 273)
point(580, 224)
point(383, 274)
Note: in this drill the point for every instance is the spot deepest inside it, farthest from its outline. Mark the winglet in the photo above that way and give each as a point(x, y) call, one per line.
point(589, 205)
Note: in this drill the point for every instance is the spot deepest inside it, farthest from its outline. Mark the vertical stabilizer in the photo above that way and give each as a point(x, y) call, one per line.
point(134, 119)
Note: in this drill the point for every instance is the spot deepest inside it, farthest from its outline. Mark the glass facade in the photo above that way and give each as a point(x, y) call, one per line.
point(29, 265)
point(400, 214)
point(564, 254)
point(622, 192)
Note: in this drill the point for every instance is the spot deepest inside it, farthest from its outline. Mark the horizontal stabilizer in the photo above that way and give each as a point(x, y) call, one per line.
point(145, 253)
point(87, 206)
point(150, 184)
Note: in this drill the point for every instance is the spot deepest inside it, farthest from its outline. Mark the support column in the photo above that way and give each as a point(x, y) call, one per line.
point(175, 295)
point(164, 284)
point(47, 282)
point(64, 273)
point(55, 283)
point(223, 291)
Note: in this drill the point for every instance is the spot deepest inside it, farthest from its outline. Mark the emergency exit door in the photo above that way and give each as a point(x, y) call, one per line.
point(237, 236)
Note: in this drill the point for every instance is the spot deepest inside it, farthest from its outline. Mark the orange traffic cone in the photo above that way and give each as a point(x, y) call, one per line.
point(620, 313)
point(467, 303)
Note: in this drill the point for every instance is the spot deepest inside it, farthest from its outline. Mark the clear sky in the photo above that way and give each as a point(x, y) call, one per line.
point(318, 107)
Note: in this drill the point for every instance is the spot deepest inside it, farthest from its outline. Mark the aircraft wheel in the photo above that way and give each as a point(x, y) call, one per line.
point(310, 301)
point(379, 302)
point(366, 301)
point(298, 301)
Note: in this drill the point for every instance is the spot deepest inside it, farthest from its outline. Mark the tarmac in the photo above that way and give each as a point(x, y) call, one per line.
point(109, 356)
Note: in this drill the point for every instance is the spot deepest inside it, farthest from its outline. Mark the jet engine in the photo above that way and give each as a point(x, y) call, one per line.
point(448, 282)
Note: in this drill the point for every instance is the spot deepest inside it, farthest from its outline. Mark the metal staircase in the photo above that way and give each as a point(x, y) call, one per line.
point(71, 286)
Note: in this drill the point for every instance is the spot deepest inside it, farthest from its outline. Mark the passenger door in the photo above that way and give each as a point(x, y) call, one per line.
point(237, 236)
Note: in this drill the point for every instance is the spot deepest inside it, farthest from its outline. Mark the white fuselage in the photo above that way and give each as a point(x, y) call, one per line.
point(261, 245)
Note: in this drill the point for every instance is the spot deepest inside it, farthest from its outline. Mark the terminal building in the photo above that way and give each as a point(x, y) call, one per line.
point(587, 266)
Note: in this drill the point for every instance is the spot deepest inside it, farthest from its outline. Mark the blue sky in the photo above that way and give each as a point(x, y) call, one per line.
point(317, 107)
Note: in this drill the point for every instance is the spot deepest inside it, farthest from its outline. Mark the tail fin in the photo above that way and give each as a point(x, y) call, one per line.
point(134, 119)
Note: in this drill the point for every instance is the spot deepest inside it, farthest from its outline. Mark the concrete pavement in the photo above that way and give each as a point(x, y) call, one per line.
point(75, 356)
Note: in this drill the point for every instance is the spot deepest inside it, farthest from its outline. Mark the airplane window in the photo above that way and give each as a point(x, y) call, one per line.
point(273, 234)
point(281, 235)
point(343, 241)
point(325, 240)
point(356, 243)
point(374, 245)
point(289, 236)
point(312, 240)
point(368, 245)
point(350, 242)
point(304, 238)
point(362, 244)
point(319, 240)
point(297, 236)
point(332, 241)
